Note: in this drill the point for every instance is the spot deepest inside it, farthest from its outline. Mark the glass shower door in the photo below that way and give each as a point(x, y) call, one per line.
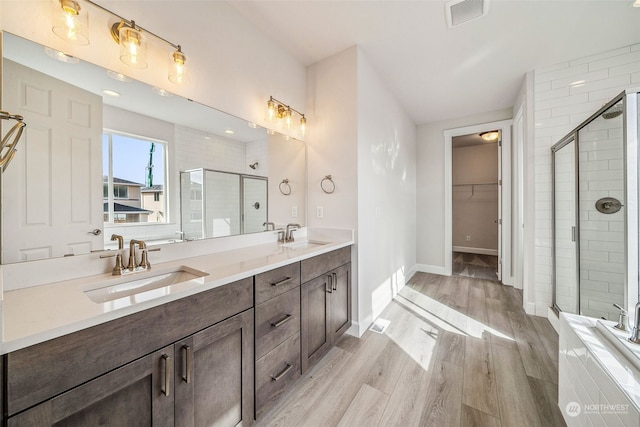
point(602, 214)
point(565, 232)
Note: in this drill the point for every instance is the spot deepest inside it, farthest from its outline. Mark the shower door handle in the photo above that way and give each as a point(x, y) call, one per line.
point(573, 233)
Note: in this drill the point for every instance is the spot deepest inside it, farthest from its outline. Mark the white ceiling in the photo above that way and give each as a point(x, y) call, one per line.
point(437, 72)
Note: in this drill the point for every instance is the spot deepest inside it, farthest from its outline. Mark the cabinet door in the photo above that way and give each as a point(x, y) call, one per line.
point(137, 394)
point(315, 312)
point(340, 301)
point(214, 375)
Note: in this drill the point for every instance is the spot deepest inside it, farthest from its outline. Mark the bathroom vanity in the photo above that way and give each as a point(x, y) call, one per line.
point(220, 349)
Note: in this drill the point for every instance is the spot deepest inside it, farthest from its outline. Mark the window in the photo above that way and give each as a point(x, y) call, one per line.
point(132, 164)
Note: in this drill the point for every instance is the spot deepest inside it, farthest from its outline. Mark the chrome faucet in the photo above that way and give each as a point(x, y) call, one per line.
point(267, 224)
point(635, 335)
point(623, 316)
point(288, 235)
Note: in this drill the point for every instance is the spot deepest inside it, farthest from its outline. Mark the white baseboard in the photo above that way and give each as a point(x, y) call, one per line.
point(530, 308)
point(433, 269)
point(553, 319)
point(479, 251)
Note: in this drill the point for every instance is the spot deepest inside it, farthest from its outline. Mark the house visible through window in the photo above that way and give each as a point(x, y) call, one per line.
point(133, 178)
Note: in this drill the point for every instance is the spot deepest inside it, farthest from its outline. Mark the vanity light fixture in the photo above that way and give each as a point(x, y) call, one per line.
point(68, 23)
point(177, 69)
point(133, 44)
point(279, 111)
point(490, 136)
point(132, 40)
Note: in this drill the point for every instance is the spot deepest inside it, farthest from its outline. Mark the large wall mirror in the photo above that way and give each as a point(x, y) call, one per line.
point(103, 154)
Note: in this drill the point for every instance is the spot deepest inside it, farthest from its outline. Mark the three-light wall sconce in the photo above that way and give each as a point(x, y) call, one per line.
point(71, 23)
point(278, 111)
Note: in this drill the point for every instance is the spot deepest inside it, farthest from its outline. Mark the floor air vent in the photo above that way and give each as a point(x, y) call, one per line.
point(461, 11)
point(380, 325)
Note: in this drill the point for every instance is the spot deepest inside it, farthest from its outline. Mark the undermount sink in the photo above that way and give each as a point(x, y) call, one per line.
point(303, 244)
point(141, 283)
point(619, 340)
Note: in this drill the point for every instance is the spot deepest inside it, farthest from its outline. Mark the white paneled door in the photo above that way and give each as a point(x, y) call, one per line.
point(52, 190)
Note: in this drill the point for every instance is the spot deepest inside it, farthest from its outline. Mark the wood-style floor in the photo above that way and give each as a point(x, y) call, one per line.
point(459, 351)
point(475, 265)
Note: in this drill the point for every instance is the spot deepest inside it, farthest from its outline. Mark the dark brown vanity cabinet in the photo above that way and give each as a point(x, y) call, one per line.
point(137, 394)
point(325, 303)
point(134, 370)
point(214, 375)
point(277, 334)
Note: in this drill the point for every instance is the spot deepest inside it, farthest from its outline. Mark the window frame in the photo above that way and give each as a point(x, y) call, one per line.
point(164, 146)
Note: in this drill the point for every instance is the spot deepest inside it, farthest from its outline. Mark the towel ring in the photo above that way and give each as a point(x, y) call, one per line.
point(327, 184)
point(284, 187)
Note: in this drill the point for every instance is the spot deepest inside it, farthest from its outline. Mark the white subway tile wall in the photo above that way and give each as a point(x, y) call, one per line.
point(566, 94)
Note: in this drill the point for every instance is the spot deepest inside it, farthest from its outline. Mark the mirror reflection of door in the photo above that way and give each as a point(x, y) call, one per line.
point(255, 204)
point(52, 190)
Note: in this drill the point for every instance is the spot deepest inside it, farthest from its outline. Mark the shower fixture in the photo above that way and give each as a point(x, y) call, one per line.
point(612, 112)
point(254, 165)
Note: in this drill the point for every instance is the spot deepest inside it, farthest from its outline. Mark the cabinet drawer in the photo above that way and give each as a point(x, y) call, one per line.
point(313, 267)
point(276, 320)
point(276, 282)
point(41, 371)
point(276, 372)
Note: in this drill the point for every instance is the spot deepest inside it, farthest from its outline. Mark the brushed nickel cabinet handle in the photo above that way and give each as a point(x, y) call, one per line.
point(329, 282)
point(280, 282)
point(335, 281)
point(282, 321)
point(284, 372)
point(166, 386)
point(187, 363)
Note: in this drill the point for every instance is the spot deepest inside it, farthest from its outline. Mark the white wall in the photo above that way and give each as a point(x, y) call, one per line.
point(364, 139)
point(386, 194)
point(235, 68)
point(430, 194)
point(332, 148)
point(565, 94)
point(284, 159)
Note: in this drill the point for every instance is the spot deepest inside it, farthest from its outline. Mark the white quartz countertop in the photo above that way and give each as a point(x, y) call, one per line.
point(39, 313)
point(607, 356)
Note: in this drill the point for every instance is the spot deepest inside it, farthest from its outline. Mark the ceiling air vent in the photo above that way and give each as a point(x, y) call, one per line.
point(461, 11)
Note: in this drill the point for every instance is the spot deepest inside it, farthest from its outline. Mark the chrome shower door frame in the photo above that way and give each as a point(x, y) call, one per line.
point(631, 187)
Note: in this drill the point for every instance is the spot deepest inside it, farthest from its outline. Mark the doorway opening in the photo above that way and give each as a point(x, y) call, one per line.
point(471, 183)
point(476, 204)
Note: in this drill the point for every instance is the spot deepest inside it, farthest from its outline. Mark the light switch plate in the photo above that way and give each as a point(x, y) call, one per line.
point(319, 212)
point(294, 212)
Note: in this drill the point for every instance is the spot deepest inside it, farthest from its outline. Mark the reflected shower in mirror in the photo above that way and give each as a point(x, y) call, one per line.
point(103, 153)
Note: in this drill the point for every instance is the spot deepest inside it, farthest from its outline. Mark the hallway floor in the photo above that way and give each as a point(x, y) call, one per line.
point(458, 352)
point(475, 265)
